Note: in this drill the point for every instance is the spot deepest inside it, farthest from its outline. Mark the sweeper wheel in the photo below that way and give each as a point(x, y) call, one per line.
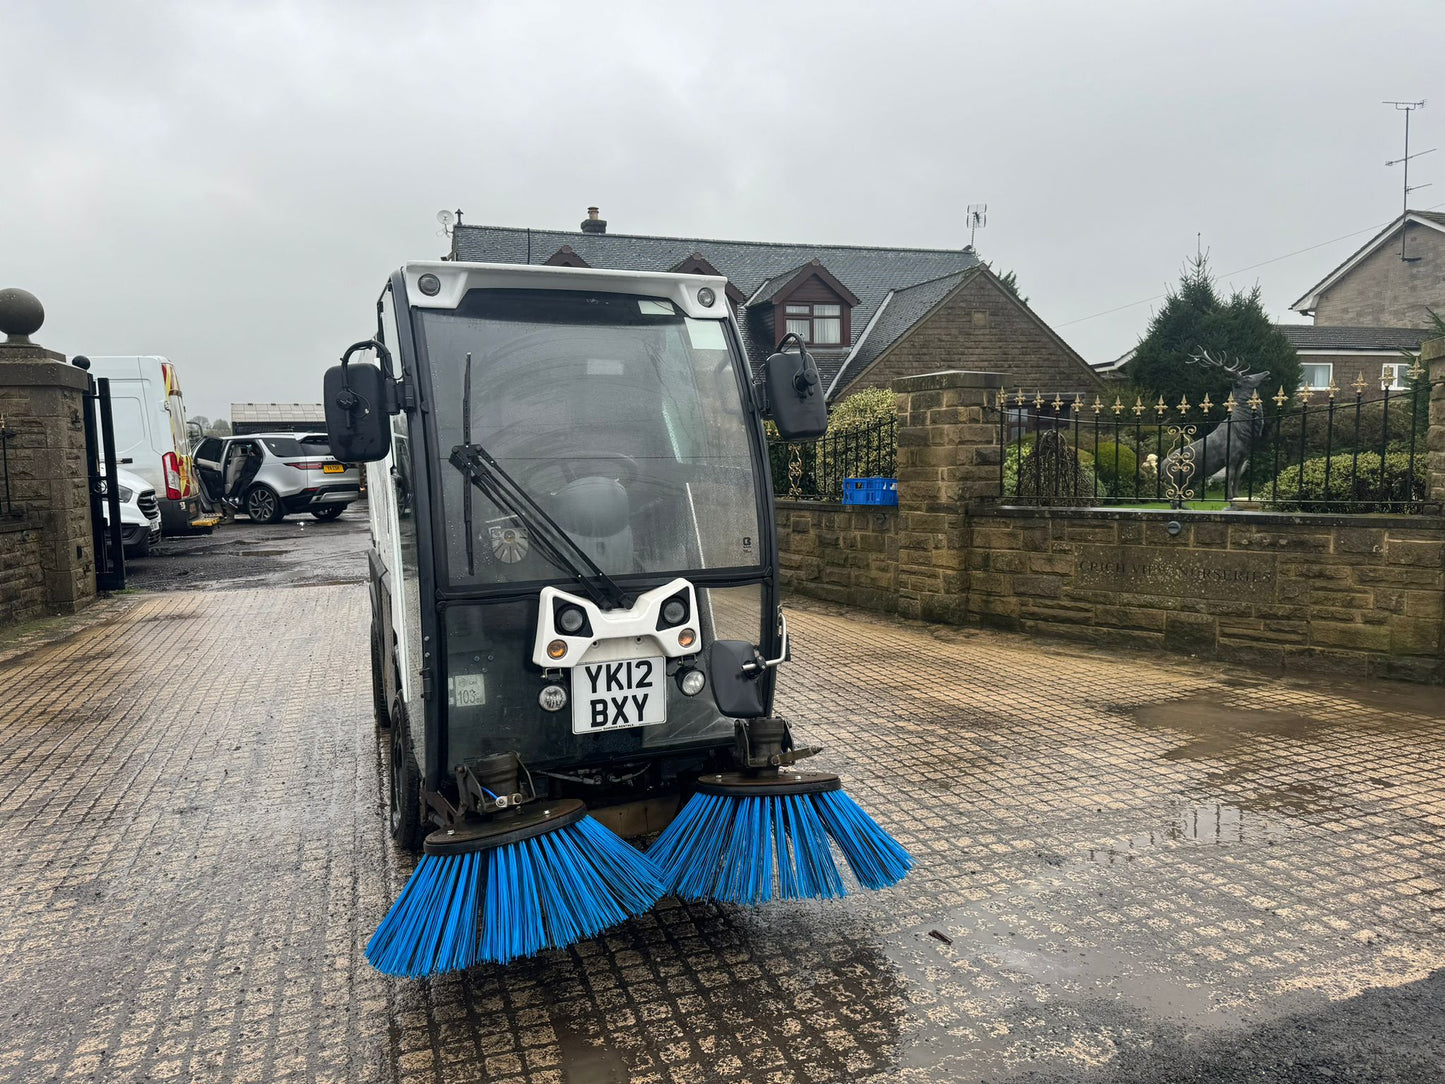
point(768, 784)
point(535, 819)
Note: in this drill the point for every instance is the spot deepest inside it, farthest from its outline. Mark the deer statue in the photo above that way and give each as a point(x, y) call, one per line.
point(1227, 446)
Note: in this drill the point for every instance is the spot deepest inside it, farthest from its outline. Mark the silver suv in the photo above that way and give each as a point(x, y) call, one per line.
point(269, 475)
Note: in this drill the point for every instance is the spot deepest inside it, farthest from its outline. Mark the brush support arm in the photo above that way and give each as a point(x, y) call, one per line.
point(767, 742)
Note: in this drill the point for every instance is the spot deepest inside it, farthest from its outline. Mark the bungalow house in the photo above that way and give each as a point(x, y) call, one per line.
point(868, 314)
point(1374, 305)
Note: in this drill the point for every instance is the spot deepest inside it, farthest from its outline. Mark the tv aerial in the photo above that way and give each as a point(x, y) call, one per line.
point(977, 219)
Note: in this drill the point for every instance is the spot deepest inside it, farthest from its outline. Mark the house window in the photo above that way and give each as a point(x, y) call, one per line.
point(1394, 375)
point(1317, 375)
point(816, 325)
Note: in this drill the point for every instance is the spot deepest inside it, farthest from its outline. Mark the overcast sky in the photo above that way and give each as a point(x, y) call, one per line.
point(228, 184)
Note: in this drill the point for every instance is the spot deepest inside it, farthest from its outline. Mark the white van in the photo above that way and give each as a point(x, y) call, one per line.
point(150, 434)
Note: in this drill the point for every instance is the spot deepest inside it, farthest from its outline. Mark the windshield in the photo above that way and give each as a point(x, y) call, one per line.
point(619, 415)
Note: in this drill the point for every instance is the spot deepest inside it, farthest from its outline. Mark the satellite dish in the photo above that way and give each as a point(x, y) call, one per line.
point(447, 219)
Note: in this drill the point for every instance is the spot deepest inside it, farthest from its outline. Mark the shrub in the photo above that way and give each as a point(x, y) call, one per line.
point(1117, 467)
point(1350, 490)
point(867, 407)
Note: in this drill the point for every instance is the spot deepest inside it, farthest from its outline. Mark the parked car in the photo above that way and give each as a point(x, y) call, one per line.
point(140, 514)
point(271, 475)
point(151, 437)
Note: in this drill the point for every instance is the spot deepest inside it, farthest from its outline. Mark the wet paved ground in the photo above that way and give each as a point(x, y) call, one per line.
point(1118, 879)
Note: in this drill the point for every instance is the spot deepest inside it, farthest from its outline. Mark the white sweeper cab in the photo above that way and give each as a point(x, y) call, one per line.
point(574, 570)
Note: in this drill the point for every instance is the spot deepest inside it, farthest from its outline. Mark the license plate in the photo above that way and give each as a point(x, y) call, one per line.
point(332, 468)
point(618, 694)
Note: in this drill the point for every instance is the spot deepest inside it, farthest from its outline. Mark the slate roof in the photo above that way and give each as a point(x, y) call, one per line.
point(1345, 339)
point(871, 273)
point(900, 310)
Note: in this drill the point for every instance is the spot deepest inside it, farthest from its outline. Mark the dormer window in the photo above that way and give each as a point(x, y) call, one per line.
point(816, 324)
point(807, 301)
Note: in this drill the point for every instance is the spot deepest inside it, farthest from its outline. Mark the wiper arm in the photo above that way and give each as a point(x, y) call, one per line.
point(479, 468)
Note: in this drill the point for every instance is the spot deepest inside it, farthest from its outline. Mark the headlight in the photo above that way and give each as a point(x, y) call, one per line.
point(125, 494)
point(690, 682)
point(674, 611)
point(552, 698)
point(571, 619)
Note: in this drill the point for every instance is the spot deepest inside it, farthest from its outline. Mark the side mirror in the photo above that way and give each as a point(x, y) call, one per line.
point(359, 400)
point(738, 692)
point(795, 395)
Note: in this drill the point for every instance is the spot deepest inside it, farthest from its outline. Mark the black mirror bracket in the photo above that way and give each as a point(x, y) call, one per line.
point(349, 401)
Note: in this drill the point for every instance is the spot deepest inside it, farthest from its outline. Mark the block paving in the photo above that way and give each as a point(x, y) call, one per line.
point(191, 810)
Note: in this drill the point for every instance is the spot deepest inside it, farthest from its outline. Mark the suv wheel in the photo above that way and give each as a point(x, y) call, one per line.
point(263, 506)
point(330, 512)
point(405, 813)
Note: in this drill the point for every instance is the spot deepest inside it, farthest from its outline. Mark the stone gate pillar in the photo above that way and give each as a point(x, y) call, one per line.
point(1432, 357)
point(947, 456)
point(42, 401)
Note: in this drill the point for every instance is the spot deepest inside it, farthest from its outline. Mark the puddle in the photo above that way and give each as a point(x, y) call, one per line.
point(1219, 730)
point(1207, 823)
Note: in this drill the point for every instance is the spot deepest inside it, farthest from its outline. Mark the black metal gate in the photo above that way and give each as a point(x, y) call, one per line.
point(100, 469)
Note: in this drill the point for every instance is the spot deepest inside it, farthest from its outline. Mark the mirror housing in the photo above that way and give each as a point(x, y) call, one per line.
point(795, 393)
point(738, 693)
point(359, 400)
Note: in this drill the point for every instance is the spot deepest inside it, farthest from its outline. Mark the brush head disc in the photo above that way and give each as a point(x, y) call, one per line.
point(535, 819)
point(769, 784)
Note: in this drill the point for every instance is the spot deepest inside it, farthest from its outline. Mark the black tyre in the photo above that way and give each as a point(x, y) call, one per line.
point(405, 811)
point(378, 685)
point(329, 513)
point(264, 506)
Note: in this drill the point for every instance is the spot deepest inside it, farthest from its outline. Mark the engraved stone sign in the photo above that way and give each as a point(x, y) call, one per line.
point(1142, 570)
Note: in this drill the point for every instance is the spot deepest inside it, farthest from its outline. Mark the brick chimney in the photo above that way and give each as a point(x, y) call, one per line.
point(593, 224)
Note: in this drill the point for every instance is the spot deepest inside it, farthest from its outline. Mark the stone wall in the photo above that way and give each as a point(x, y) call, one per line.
point(982, 327)
point(22, 583)
point(1363, 593)
point(844, 555)
point(1384, 291)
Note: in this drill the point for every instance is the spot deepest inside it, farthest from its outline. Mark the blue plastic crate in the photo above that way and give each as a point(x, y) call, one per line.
point(876, 491)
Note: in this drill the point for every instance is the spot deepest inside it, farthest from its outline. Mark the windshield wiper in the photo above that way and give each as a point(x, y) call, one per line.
point(552, 541)
point(481, 470)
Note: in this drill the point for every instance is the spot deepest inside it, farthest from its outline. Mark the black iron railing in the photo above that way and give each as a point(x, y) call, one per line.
point(1318, 450)
point(815, 471)
point(8, 506)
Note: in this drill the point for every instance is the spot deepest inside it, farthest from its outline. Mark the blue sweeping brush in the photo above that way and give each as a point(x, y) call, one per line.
point(725, 842)
point(501, 889)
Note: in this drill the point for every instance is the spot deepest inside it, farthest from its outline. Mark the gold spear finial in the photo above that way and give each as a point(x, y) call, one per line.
point(1205, 404)
point(1183, 406)
point(1280, 398)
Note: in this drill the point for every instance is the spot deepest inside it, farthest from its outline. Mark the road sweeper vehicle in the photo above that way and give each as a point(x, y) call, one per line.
point(575, 618)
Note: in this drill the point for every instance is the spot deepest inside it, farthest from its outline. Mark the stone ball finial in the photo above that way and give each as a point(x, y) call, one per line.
point(21, 314)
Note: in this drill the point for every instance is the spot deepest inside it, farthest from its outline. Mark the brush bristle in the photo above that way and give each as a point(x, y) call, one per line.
point(513, 901)
point(725, 848)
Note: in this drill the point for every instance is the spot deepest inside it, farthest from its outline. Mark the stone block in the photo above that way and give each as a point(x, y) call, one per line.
point(1359, 540)
point(1357, 637)
point(1038, 586)
point(1192, 633)
point(1411, 636)
point(1210, 534)
point(1416, 554)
